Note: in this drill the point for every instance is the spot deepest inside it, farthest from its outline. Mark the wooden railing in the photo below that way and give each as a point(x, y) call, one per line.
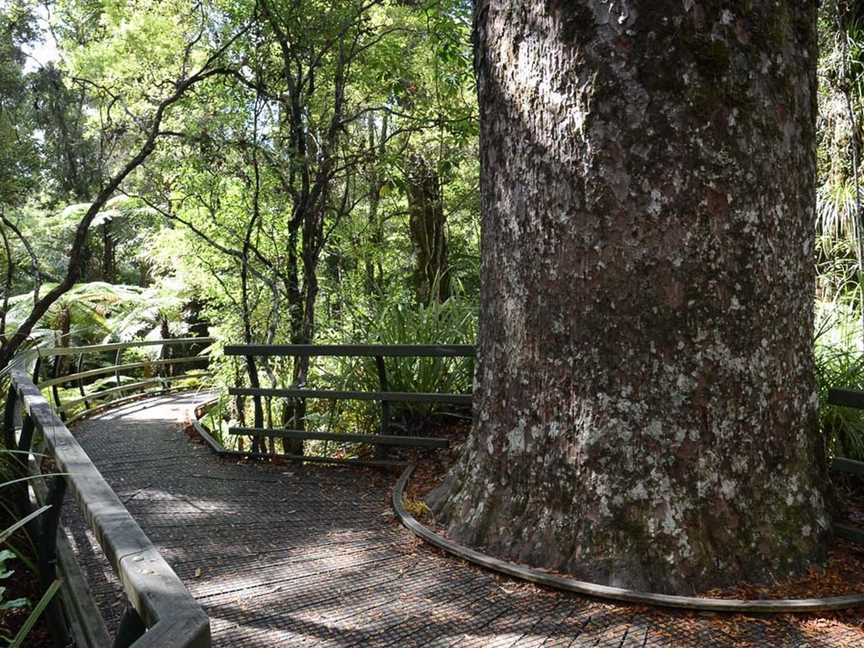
point(844, 465)
point(161, 613)
point(384, 396)
point(67, 366)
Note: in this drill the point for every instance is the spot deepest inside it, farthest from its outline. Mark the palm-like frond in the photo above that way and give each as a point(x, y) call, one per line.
point(836, 207)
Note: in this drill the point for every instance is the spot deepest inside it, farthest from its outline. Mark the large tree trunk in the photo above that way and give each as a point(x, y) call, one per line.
point(646, 408)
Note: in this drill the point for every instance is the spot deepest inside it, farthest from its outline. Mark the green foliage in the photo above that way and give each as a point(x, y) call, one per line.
point(81, 316)
point(6, 573)
point(292, 170)
point(18, 144)
point(839, 167)
point(41, 606)
point(839, 89)
point(402, 322)
point(840, 364)
point(838, 348)
point(99, 312)
point(843, 427)
point(10, 465)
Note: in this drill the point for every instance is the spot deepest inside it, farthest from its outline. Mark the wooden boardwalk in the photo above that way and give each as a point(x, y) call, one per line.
point(312, 555)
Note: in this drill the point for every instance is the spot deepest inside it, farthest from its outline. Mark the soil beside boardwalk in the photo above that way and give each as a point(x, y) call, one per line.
point(312, 555)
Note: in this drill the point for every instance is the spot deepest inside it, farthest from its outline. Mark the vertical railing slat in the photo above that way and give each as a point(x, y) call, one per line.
point(9, 418)
point(55, 389)
point(78, 367)
point(381, 450)
point(117, 356)
point(131, 629)
point(49, 523)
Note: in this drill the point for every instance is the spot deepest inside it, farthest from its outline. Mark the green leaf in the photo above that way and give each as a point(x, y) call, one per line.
point(31, 478)
point(6, 533)
point(21, 452)
point(15, 604)
point(28, 564)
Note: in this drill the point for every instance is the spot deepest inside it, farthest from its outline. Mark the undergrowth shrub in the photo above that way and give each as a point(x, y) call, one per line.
point(395, 321)
point(17, 552)
point(402, 322)
point(839, 365)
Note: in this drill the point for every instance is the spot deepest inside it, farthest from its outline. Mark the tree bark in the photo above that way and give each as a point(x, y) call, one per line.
point(427, 222)
point(378, 137)
point(645, 394)
point(109, 258)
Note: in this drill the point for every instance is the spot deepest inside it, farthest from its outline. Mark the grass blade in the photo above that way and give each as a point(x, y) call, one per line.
point(20, 523)
point(43, 603)
point(31, 478)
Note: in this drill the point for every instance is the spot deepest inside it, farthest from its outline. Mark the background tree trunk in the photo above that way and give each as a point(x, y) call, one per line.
point(427, 222)
point(372, 259)
point(646, 408)
point(109, 257)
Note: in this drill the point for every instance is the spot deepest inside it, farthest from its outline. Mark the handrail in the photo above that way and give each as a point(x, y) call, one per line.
point(159, 601)
point(102, 371)
point(384, 395)
point(119, 346)
point(127, 387)
point(335, 394)
point(82, 377)
point(354, 350)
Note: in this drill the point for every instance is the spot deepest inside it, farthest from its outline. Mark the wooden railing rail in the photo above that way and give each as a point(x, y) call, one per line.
point(121, 346)
point(384, 395)
point(165, 370)
point(161, 613)
point(845, 465)
point(354, 350)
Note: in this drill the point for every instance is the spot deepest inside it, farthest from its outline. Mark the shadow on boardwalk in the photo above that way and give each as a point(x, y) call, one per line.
point(301, 555)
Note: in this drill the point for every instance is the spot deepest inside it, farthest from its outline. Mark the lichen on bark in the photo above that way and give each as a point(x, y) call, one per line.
point(645, 398)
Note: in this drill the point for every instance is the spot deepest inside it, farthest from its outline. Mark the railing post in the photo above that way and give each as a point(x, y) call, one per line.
point(117, 371)
point(26, 438)
point(50, 521)
point(300, 369)
point(131, 629)
point(256, 400)
point(9, 418)
point(239, 405)
point(78, 367)
point(381, 450)
point(55, 389)
point(163, 371)
point(18, 494)
point(21, 494)
point(37, 367)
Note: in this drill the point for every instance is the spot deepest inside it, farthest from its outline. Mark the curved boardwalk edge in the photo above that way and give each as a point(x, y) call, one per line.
point(597, 590)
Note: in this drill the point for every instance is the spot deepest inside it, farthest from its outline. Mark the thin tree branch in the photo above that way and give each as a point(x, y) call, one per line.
point(34, 261)
point(73, 272)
